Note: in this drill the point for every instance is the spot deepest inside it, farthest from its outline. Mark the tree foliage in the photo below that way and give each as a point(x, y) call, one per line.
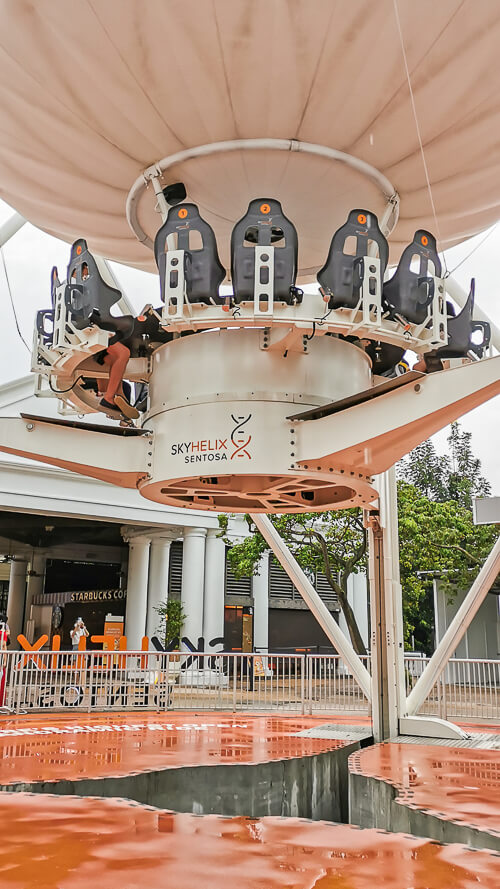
point(437, 536)
point(171, 618)
point(454, 476)
point(435, 539)
point(334, 543)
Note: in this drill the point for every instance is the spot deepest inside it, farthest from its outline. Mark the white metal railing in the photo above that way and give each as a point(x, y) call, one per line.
point(296, 683)
point(331, 686)
point(99, 680)
point(467, 688)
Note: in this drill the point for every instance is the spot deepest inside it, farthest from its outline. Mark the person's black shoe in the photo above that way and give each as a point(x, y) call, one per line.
point(110, 408)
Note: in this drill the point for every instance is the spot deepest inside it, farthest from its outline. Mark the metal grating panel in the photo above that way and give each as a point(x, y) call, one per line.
point(336, 731)
point(175, 570)
point(235, 586)
point(281, 587)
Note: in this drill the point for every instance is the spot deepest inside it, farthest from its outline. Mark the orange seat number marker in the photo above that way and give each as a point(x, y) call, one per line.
point(78, 249)
point(182, 213)
point(362, 218)
point(265, 208)
point(425, 240)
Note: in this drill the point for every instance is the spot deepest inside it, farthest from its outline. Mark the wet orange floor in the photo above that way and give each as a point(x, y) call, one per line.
point(55, 747)
point(454, 783)
point(112, 844)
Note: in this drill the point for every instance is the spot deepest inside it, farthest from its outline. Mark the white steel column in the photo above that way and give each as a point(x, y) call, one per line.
point(159, 561)
point(15, 602)
point(314, 601)
point(193, 574)
point(213, 602)
point(137, 591)
point(456, 630)
point(387, 648)
point(36, 577)
point(260, 591)
point(11, 227)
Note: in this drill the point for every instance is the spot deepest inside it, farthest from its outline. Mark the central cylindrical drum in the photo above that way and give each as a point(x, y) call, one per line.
point(219, 403)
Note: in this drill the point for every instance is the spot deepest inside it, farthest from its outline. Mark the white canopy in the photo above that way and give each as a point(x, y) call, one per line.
point(94, 91)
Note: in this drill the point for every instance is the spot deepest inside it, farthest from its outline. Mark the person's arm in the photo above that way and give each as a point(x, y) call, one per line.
point(85, 630)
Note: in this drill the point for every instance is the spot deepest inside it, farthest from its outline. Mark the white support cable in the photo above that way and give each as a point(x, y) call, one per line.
point(417, 125)
point(455, 631)
point(155, 170)
point(314, 602)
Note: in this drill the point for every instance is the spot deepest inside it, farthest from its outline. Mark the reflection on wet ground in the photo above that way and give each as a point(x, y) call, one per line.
point(76, 843)
point(47, 748)
point(456, 783)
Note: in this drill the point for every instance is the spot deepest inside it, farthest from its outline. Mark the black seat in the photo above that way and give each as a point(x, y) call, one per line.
point(343, 274)
point(265, 225)
point(410, 291)
point(384, 356)
point(184, 229)
point(45, 317)
point(89, 298)
point(461, 328)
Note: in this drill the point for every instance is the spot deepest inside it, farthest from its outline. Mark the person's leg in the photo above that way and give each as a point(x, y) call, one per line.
point(116, 359)
point(118, 355)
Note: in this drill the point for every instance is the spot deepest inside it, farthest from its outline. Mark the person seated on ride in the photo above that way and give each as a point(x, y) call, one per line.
point(114, 399)
point(116, 357)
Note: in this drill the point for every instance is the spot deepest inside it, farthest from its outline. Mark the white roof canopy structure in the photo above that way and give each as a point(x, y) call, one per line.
point(95, 97)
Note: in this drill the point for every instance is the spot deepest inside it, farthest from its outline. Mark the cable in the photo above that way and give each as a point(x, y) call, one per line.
point(12, 302)
point(320, 321)
point(419, 136)
point(481, 242)
point(308, 338)
point(62, 391)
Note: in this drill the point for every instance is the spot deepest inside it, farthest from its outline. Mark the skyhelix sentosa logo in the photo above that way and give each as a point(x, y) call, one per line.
point(216, 449)
point(240, 438)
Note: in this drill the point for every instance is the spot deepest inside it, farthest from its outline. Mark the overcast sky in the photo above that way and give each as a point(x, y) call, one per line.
point(30, 255)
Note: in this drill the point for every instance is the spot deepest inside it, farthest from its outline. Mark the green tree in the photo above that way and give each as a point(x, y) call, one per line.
point(464, 479)
point(334, 543)
point(437, 536)
point(454, 476)
point(436, 539)
point(171, 618)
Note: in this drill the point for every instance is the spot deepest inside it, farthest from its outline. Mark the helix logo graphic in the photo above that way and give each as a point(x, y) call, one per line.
point(240, 438)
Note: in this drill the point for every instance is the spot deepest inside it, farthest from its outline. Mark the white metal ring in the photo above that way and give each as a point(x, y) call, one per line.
point(388, 222)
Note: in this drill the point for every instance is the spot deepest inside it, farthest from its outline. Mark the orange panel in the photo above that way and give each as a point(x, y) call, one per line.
point(454, 783)
point(53, 842)
point(54, 747)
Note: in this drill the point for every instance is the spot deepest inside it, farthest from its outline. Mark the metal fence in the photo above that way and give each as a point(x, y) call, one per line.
point(96, 680)
point(467, 688)
point(300, 683)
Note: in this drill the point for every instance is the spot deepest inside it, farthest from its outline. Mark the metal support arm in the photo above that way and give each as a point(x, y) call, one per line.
point(314, 602)
point(456, 630)
point(120, 460)
point(370, 437)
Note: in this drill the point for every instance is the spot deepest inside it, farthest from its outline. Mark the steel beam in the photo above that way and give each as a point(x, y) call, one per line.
point(314, 602)
point(11, 227)
point(103, 455)
point(371, 437)
point(455, 631)
point(387, 647)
